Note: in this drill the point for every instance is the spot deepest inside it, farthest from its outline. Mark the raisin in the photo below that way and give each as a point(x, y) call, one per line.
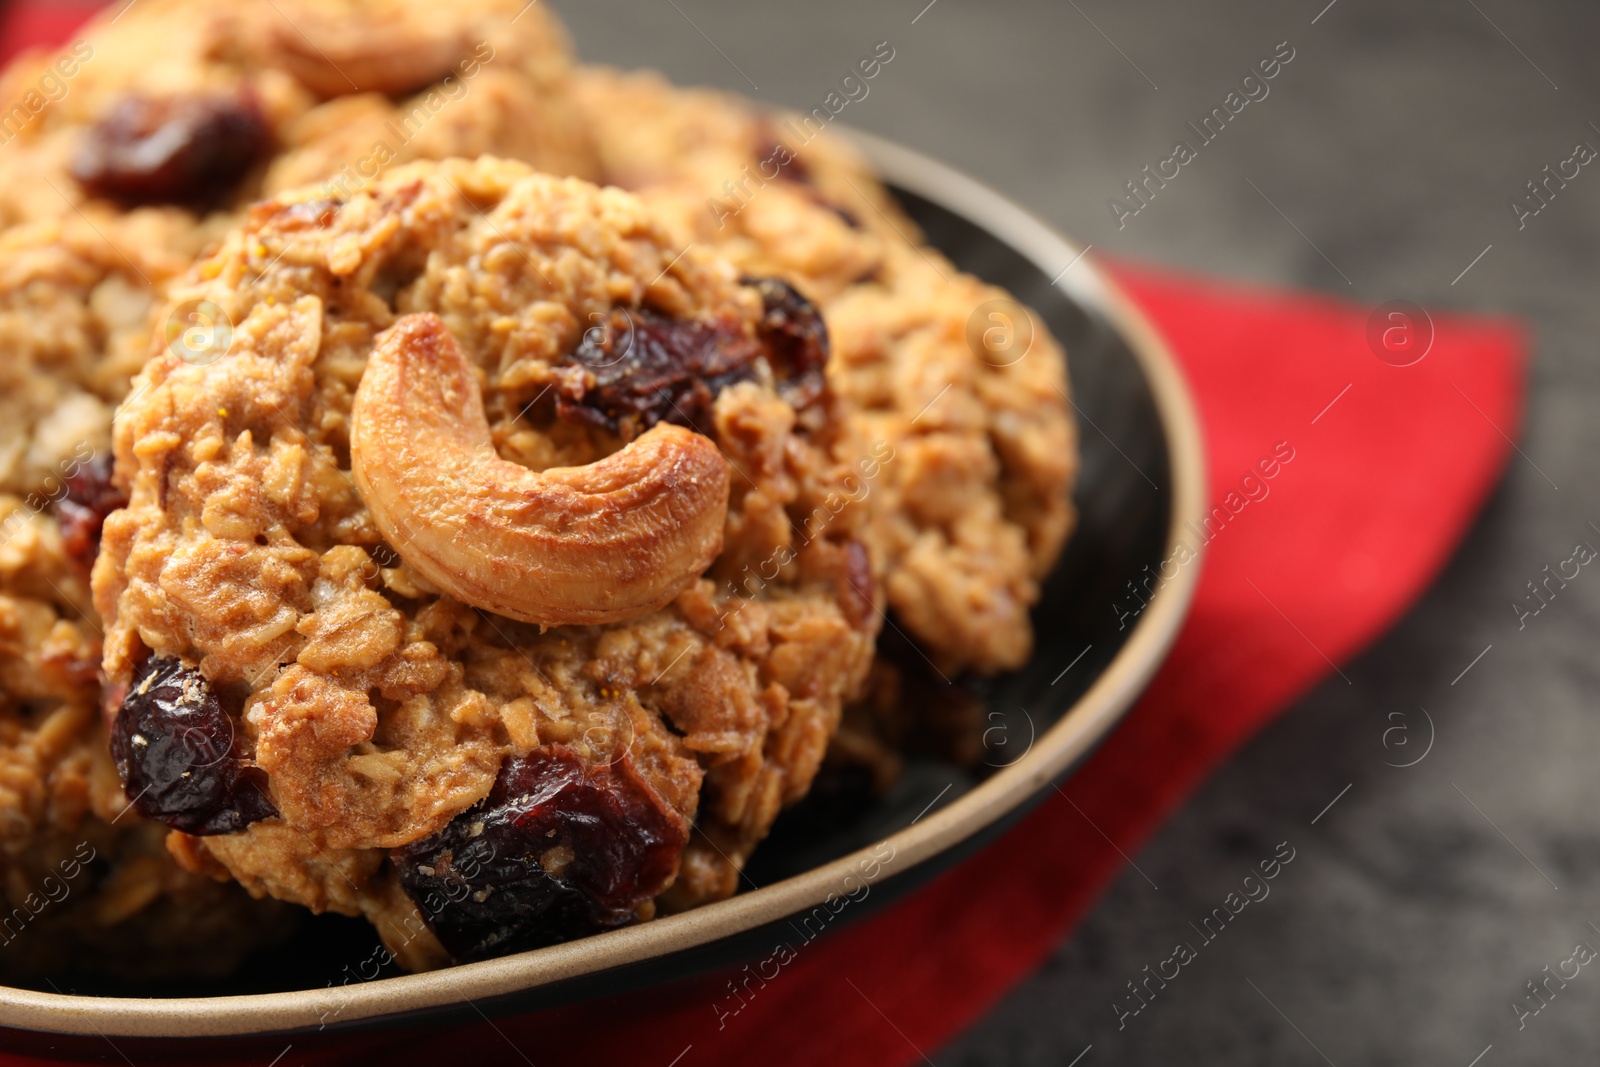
point(81, 513)
point(640, 367)
point(175, 751)
point(856, 587)
point(190, 150)
point(558, 850)
point(797, 338)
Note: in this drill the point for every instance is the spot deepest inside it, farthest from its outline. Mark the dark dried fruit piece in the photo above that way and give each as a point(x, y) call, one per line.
point(845, 216)
point(783, 161)
point(560, 849)
point(189, 150)
point(174, 748)
point(797, 338)
point(81, 514)
point(855, 586)
point(640, 367)
point(776, 161)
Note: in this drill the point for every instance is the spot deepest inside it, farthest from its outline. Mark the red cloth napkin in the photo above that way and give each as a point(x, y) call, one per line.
point(37, 24)
point(1390, 465)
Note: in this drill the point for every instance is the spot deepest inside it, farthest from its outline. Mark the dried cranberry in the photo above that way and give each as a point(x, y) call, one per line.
point(81, 514)
point(189, 149)
point(175, 750)
point(640, 367)
point(797, 338)
point(559, 849)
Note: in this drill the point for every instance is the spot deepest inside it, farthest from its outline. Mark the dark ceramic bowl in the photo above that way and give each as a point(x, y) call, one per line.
point(1142, 478)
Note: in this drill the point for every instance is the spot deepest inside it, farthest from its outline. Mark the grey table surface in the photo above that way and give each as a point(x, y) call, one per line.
point(1408, 924)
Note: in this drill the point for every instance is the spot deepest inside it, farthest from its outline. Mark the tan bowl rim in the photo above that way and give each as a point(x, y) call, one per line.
point(1052, 754)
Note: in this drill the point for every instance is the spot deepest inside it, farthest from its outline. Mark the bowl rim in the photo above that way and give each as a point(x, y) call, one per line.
point(1052, 754)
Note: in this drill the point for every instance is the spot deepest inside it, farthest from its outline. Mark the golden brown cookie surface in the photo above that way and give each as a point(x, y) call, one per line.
point(383, 711)
point(84, 882)
point(254, 96)
point(114, 172)
point(967, 387)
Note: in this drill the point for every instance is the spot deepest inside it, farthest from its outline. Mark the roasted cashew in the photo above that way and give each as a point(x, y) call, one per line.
point(571, 545)
point(396, 51)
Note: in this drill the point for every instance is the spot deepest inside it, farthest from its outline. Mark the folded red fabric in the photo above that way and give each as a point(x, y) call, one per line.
point(1379, 471)
point(40, 24)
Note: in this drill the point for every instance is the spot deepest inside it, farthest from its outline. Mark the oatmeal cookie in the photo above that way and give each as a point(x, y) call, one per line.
point(502, 547)
point(721, 171)
point(248, 96)
point(84, 883)
point(75, 302)
point(976, 505)
point(115, 172)
point(113, 169)
point(974, 508)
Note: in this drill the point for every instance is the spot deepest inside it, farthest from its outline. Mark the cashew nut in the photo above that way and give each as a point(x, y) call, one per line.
point(571, 545)
point(395, 52)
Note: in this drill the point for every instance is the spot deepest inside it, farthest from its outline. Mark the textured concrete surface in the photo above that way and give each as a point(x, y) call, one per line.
point(1408, 923)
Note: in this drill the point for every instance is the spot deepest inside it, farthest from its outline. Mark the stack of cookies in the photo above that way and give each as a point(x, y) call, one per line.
point(438, 484)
